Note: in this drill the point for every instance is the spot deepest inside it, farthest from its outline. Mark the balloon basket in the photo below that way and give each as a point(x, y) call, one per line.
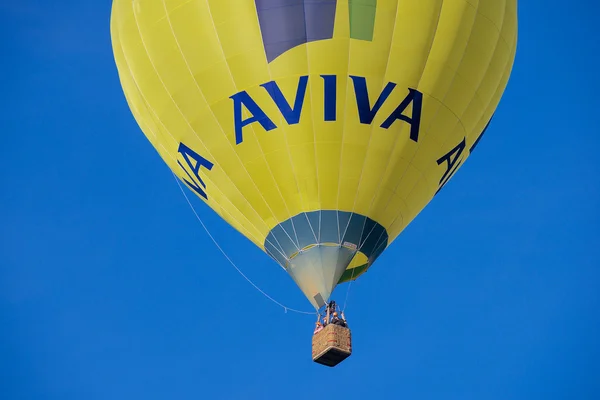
point(331, 345)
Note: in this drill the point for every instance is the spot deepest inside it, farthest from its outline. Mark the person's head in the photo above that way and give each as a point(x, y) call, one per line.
point(318, 323)
point(335, 314)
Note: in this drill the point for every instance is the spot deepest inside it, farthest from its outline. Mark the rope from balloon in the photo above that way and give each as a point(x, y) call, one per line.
point(348, 290)
point(285, 308)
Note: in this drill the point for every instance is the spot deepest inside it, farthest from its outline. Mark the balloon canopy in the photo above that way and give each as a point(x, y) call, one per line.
point(319, 129)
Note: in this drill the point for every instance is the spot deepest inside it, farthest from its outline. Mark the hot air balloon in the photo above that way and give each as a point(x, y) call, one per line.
point(319, 129)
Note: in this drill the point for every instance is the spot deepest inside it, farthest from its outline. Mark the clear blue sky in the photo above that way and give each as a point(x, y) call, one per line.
point(101, 290)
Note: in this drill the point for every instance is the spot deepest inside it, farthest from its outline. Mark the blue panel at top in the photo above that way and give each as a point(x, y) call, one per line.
point(282, 239)
point(379, 248)
point(329, 227)
point(354, 229)
point(290, 231)
point(343, 219)
point(368, 230)
point(304, 232)
point(315, 222)
point(276, 254)
point(285, 24)
point(372, 239)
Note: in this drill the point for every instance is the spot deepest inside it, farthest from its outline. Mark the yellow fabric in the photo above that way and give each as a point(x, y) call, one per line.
point(180, 61)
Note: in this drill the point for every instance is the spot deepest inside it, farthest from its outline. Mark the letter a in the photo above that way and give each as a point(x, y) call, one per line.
point(415, 97)
point(186, 152)
point(258, 115)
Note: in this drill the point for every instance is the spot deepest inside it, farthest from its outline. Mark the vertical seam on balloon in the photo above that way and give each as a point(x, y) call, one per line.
point(319, 239)
point(363, 241)
point(257, 142)
point(312, 122)
point(337, 225)
point(374, 253)
point(337, 206)
point(285, 135)
point(377, 247)
point(310, 226)
point(217, 121)
point(321, 270)
point(337, 200)
point(344, 124)
point(280, 250)
point(372, 128)
point(167, 152)
point(436, 114)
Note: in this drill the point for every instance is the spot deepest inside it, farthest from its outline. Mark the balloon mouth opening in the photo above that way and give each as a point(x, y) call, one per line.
point(350, 246)
point(359, 264)
point(321, 249)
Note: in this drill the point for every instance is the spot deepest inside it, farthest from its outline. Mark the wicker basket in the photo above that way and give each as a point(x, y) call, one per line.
point(332, 345)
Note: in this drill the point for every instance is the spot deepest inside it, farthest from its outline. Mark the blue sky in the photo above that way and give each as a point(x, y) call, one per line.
point(102, 289)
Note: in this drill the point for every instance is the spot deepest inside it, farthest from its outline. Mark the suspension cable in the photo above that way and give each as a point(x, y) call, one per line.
point(285, 308)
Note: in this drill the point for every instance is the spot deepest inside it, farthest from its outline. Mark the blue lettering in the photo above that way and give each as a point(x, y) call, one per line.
point(415, 97)
point(330, 99)
point(186, 152)
point(291, 115)
point(365, 113)
point(258, 115)
point(453, 162)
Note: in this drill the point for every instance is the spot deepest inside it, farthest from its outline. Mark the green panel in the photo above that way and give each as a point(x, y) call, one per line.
point(352, 274)
point(362, 19)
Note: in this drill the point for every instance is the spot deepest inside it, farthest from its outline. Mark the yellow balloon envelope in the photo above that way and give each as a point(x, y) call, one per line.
point(317, 128)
